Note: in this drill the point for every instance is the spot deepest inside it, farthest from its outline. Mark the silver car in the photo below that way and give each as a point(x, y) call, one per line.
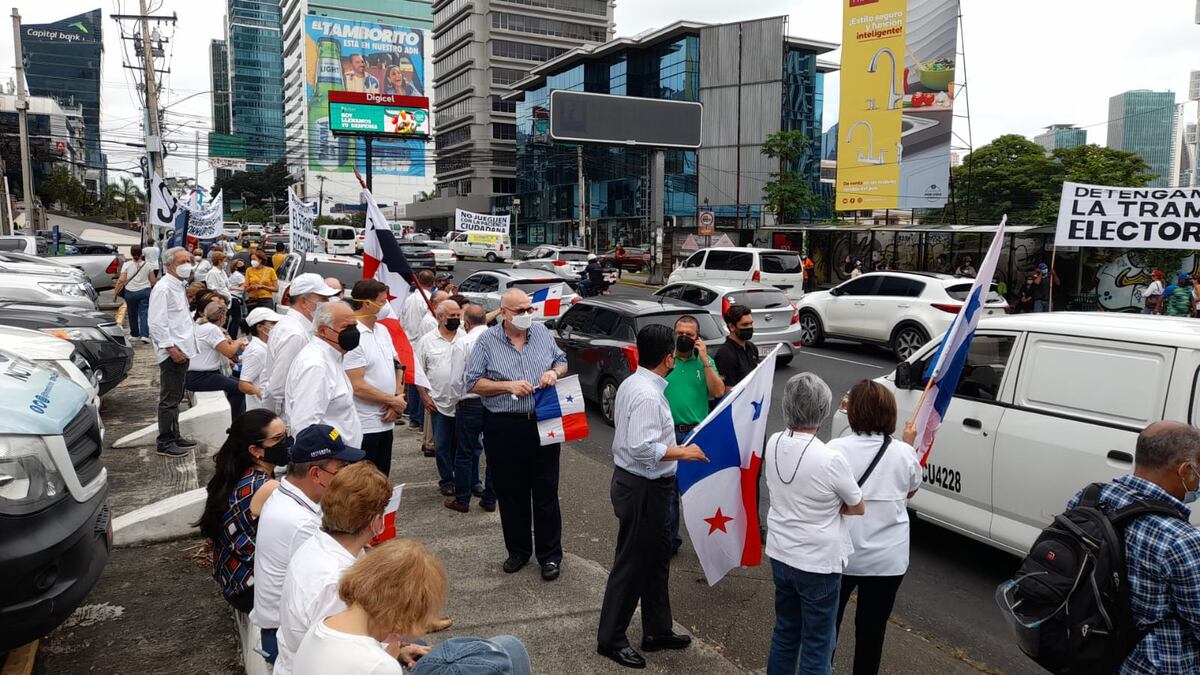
point(567, 262)
point(50, 287)
point(775, 319)
point(487, 286)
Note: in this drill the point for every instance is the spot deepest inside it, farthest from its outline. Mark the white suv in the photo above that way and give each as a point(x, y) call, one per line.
point(738, 266)
point(901, 310)
point(567, 262)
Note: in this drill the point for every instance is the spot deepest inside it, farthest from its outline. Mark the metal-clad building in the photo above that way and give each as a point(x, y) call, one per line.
point(252, 32)
point(1141, 122)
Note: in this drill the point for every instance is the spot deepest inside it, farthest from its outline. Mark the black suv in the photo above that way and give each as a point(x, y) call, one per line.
point(599, 336)
point(84, 246)
point(95, 335)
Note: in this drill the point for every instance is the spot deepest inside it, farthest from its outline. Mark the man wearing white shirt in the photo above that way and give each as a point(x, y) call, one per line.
point(375, 375)
point(468, 429)
point(317, 388)
point(290, 517)
point(174, 337)
point(351, 516)
point(254, 380)
point(415, 307)
point(441, 357)
point(289, 336)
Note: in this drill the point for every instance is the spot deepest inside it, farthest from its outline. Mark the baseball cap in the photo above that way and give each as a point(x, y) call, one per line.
point(1184, 276)
point(321, 441)
point(502, 655)
point(260, 314)
point(1157, 274)
point(310, 283)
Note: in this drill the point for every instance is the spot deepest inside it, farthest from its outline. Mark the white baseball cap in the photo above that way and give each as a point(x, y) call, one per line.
point(310, 283)
point(260, 314)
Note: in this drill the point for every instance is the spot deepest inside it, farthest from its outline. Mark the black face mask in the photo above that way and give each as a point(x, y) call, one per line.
point(684, 344)
point(280, 453)
point(348, 338)
point(453, 324)
point(744, 334)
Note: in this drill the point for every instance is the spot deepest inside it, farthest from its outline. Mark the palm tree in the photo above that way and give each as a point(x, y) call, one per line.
point(110, 200)
point(132, 198)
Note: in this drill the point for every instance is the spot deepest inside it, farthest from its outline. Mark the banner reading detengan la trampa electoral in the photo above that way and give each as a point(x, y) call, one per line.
point(897, 103)
point(302, 233)
point(468, 221)
point(1124, 217)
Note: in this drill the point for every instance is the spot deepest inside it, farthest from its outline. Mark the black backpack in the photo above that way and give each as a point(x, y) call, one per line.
point(1068, 604)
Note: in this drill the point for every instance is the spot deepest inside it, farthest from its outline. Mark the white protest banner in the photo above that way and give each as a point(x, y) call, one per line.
point(1101, 216)
point(205, 222)
point(467, 221)
point(163, 205)
point(302, 233)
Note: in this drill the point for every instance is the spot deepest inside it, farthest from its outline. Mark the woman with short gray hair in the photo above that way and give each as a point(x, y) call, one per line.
point(811, 490)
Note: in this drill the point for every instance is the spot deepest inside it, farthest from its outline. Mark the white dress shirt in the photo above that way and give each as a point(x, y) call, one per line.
point(256, 369)
point(200, 273)
point(207, 358)
point(467, 342)
point(428, 324)
point(377, 355)
point(644, 426)
point(325, 650)
point(170, 319)
point(310, 593)
point(288, 337)
point(288, 519)
point(412, 312)
point(808, 484)
point(443, 363)
point(318, 392)
point(880, 536)
point(218, 282)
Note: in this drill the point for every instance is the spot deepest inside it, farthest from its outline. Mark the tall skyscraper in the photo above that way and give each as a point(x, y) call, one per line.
point(255, 44)
point(63, 62)
point(1140, 121)
point(1061, 136)
point(218, 57)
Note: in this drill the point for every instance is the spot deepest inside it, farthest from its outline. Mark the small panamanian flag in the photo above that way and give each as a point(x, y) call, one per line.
point(560, 412)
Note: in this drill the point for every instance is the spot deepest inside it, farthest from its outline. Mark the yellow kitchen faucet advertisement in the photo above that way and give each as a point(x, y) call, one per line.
point(897, 103)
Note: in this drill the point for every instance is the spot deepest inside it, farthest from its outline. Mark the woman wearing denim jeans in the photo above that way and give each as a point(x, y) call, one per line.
point(137, 276)
point(808, 542)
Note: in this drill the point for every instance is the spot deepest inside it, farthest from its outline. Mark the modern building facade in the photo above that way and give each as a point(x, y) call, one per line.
point(253, 37)
point(401, 169)
point(1140, 122)
point(222, 111)
point(481, 47)
point(752, 79)
point(1061, 136)
point(57, 136)
point(63, 61)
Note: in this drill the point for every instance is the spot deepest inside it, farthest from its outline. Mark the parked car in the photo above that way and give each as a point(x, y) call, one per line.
point(1047, 403)
point(344, 268)
point(252, 234)
point(55, 529)
point(775, 318)
point(360, 239)
point(418, 254)
point(633, 260)
point(444, 257)
point(24, 243)
point(232, 229)
point(337, 239)
point(269, 241)
point(97, 338)
point(99, 271)
point(781, 269)
point(599, 337)
point(15, 262)
point(55, 353)
point(567, 262)
point(84, 246)
point(487, 286)
point(487, 245)
point(50, 287)
point(899, 310)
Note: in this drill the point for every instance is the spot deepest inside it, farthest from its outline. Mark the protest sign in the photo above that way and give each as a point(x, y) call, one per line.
point(205, 222)
point(302, 233)
point(467, 221)
point(163, 204)
point(1120, 217)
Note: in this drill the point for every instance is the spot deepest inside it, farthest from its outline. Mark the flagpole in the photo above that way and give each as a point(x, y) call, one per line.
point(420, 290)
point(1050, 280)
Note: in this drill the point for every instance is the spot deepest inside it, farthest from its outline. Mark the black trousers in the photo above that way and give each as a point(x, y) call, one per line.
point(526, 478)
point(642, 564)
point(378, 447)
point(876, 596)
point(170, 392)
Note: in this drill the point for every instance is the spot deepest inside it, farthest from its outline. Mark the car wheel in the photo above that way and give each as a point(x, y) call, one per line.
point(781, 361)
point(491, 257)
point(608, 401)
point(908, 339)
point(812, 334)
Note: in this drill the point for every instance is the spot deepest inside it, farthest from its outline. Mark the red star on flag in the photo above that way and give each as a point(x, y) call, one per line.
point(551, 434)
point(717, 522)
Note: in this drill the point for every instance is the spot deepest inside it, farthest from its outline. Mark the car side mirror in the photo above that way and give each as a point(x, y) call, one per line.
point(834, 292)
point(551, 324)
point(904, 375)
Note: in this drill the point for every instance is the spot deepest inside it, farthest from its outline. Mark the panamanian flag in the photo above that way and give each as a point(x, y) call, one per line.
point(560, 413)
point(719, 498)
point(547, 302)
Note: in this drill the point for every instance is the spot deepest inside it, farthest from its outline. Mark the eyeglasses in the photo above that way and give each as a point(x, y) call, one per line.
point(276, 438)
point(523, 310)
point(331, 473)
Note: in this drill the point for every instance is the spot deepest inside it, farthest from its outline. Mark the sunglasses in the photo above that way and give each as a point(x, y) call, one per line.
point(524, 310)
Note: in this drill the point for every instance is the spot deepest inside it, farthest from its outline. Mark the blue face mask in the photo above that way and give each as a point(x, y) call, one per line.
point(1190, 496)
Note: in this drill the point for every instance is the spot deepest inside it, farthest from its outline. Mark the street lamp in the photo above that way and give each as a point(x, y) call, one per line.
point(515, 209)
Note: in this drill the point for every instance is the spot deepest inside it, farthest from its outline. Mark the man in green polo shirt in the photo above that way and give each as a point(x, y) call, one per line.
point(690, 386)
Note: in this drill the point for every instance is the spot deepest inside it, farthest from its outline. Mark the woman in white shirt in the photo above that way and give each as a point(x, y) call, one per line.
point(204, 370)
point(237, 289)
point(137, 276)
point(880, 538)
point(256, 357)
point(811, 492)
point(216, 279)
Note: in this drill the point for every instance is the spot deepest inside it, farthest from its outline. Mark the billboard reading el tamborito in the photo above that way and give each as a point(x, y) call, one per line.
point(897, 103)
point(365, 58)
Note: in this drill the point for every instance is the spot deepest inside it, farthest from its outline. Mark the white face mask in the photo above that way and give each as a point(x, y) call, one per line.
point(522, 321)
point(184, 271)
point(255, 263)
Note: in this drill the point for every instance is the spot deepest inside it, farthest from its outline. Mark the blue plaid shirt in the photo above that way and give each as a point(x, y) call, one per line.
point(495, 358)
point(1163, 556)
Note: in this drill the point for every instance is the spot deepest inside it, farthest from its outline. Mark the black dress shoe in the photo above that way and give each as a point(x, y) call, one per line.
point(661, 642)
point(625, 656)
point(514, 563)
point(550, 571)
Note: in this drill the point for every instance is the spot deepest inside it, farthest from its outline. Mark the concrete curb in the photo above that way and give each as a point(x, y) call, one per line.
point(638, 284)
point(205, 422)
point(165, 520)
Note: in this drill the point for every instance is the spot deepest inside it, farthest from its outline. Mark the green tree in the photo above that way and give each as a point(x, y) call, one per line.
point(257, 187)
point(132, 199)
point(788, 193)
point(252, 215)
point(60, 187)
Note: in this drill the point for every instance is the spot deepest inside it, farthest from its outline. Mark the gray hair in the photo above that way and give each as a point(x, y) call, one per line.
point(1167, 444)
point(322, 316)
point(806, 401)
point(473, 315)
point(213, 310)
point(170, 255)
point(443, 307)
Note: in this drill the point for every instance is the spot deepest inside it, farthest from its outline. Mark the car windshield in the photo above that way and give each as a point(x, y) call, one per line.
point(340, 233)
point(573, 256)
point(531, 286)
point(437, 244)
point(414, 249)
point(959, 292)
point(709, 330)
point(759, 299)
point(781, 262)
point(346, 273)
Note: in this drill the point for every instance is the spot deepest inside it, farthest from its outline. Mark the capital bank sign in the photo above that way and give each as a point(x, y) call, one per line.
point(44, 34)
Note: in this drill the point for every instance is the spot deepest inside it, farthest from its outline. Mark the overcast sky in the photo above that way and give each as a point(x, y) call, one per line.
point(1029, 63)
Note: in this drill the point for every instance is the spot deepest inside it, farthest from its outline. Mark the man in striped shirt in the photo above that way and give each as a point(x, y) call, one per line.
point(509, 361)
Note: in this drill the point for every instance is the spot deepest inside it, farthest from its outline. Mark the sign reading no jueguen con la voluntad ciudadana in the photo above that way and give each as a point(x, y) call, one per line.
point(1123, 217)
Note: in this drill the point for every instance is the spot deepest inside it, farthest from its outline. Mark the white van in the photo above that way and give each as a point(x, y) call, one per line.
point(492, 246)
point(1047, 403)
point(337, 239)
point(735, 266)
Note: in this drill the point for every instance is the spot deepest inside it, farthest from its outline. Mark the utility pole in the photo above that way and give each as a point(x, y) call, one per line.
point(196, 160)
point(582, 192)
point(153, 132)
point(321, 195)
point(23, 124)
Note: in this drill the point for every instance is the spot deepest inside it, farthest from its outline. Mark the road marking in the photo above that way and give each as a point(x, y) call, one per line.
point(808, 352)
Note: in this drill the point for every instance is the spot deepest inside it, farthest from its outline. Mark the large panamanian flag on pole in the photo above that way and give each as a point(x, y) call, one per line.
point(719, 498)
point(946, 367)
point(384, 261)
point(560, 413)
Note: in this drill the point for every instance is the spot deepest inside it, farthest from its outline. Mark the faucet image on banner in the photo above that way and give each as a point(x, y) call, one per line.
point(894, 97)
point(867, 158)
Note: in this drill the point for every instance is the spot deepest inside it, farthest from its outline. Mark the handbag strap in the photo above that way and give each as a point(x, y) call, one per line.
point(887, 440)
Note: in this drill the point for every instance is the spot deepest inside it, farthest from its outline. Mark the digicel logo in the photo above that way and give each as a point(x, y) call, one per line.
point(860, 3)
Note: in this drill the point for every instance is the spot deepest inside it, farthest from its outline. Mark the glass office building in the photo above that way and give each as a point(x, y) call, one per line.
point(1141, 122)
point(63, 62)
point(255, 43)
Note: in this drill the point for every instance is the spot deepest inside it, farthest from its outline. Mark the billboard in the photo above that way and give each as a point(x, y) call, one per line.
point(379, 114)
point(624, 120)
point(897, 103)
point(362, 57)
